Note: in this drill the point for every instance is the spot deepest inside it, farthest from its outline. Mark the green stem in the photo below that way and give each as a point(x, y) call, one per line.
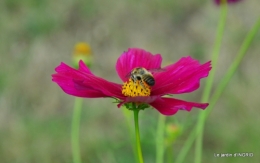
point(127, 115)
point(209, 82)
point(75, 130)
point(137, 135)
point(160, 139)
point(169, 151)
point(221, 87)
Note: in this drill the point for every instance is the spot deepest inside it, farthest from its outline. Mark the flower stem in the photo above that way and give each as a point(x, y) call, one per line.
point(220, 88)
point(127, 115)
point(137, 135)
point(209, 82)
point(75, 130)
point(169, 155)
point(160, 139)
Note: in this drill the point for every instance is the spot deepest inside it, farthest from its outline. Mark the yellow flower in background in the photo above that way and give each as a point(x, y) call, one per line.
point(82, 51)
point(82, 48)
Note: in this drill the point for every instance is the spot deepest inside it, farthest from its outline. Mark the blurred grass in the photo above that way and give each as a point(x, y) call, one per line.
point(35, 115)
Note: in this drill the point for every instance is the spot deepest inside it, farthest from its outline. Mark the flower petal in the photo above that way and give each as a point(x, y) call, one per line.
point(182, 77)
point(170, 106)
point(84, 68)
point(68, 86)
point(135, 57)
point(83, 83)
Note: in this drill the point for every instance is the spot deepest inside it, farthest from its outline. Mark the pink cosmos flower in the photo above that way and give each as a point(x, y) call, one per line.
point(228, 1)
point(181, 77)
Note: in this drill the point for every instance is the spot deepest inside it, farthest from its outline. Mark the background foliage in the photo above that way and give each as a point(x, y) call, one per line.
point(35, 115)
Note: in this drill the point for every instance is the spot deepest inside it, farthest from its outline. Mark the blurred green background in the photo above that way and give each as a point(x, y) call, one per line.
point(35, 114)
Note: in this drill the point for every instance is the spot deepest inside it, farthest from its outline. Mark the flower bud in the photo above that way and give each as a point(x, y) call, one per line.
point(172, 132)
point(82, 51)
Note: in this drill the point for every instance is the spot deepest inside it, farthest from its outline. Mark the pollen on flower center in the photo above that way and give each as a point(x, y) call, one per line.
point(133, 89)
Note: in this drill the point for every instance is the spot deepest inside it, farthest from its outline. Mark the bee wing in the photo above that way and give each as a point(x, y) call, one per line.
point(156, 70)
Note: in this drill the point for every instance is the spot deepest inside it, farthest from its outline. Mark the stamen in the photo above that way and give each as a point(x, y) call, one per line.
point(133, 89)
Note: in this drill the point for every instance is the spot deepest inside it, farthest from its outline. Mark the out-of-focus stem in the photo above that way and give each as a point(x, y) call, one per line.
point(221, 87)
point(75, 130)
point(209, 82)
point(160, 139)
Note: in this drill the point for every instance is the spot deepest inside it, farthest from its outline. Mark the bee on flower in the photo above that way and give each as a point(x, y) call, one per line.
point(143, 87)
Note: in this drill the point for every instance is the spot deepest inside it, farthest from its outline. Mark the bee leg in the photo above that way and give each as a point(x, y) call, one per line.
point(142, 84)
point(133, 79)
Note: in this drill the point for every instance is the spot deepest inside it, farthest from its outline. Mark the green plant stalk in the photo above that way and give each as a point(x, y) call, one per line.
point(127, 116)
point(75, 130)
point(169, 156)
point(215, 52)
point(137, 136)
point(160, 138)
point(233, 67)
point(209, 82)
point(220, 88)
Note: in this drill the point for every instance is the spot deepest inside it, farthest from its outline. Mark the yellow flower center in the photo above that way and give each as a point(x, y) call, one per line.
point(132, 89)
